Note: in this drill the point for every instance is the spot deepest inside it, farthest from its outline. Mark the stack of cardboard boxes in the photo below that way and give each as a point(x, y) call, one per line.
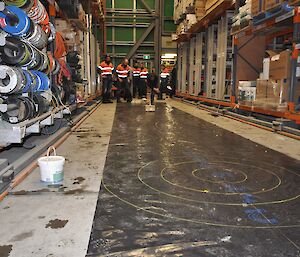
point(272, 89)
point(187, 13)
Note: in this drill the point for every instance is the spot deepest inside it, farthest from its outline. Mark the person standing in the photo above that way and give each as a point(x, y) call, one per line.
point(153, 85)
point(106, 70)
point(123, 73)
point(136, 73)
point(164, 80)
point(143, 82)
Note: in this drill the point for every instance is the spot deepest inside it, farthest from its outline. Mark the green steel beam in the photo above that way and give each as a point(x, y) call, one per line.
point(146, 6)
point(141, 40)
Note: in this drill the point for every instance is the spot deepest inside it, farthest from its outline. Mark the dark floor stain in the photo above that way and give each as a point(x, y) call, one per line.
point(41, 217)
point(5, 250)
point(6, 207)
point(33, 192)
point(74, 191)
point(22, 236)
point(78, 180)
point(56, 224)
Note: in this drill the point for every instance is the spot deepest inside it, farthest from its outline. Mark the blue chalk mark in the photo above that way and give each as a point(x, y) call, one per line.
point(222, 175)
point(258, 215)
point(249, 199)
point(234, 189)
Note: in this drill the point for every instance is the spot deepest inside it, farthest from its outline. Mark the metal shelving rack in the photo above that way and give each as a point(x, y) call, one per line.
point(275, 25)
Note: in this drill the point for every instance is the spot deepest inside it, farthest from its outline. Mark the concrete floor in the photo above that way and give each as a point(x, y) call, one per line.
point(40, 221)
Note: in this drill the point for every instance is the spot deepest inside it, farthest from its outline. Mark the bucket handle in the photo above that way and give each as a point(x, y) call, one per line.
point(49, 151)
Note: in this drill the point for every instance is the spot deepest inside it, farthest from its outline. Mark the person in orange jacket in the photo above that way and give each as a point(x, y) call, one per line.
point(164, 80)
point(106, 70)
point(123, 73)
point(143, 82)
point(136, 74)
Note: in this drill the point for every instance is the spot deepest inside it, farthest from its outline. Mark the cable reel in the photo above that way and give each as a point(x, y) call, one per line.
point(19, 108)
point(15, 52)
point(43, 82)
point(12, 80)
point(26, 5)
point(19, 26)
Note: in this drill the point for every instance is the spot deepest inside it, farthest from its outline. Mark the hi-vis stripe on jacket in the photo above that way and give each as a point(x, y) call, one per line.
point(165, 73)
point(123, 72)
point(144, 73)
point(136, 72)
point(106, 69)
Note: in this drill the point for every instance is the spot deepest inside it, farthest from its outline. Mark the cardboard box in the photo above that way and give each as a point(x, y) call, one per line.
point(280, 65)
point(257, 6)
point(272, 94)
point(270, 4)
point(261, 89)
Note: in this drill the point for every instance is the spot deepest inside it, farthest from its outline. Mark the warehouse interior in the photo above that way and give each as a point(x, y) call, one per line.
point(149, 128)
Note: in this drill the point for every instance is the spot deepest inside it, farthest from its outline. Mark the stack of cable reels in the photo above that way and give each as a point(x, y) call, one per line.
point(24, 62)
point(14, 80)
point(24, 27)
point(18, 53)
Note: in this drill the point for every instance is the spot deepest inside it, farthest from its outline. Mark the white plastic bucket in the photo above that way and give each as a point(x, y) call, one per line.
point(52, 167)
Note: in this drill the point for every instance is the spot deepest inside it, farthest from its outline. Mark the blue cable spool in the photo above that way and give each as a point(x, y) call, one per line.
point(43, 82)
point(21, 27)
point(31, 82)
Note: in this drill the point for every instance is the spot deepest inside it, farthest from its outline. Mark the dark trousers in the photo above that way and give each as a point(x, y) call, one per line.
point(152, 97)
point(106, 90)
point(143, 88)
point(162, 88)
point(136, 86)
point(123, 86)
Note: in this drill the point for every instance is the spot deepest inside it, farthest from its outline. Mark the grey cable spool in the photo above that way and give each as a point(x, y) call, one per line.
point(38, 38)
point(57, 67)
point(45, 63)
point(20, 109)
point(12, 80)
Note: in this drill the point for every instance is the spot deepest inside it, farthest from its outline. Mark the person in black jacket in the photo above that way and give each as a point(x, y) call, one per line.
point(153, 85)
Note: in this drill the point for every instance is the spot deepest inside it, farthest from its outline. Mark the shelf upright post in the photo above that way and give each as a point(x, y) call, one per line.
point(52, 14)
point(234, 58)
point(295, 54)
point(205, 63)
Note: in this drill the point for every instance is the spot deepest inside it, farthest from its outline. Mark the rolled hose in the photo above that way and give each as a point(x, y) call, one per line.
point(19, 28)
point(21, 109)
point(57, 67)
point(41, 103)
point(12, 80)
point(24, 4)
point(15, 52)
point(43, 82)
point(37, 37)
point(38, 13)
point(31, 82)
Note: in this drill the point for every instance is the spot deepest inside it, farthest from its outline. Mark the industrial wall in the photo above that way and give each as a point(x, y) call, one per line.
point(127, 21)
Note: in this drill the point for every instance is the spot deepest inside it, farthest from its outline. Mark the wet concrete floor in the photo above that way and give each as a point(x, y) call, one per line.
point(175, 185)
